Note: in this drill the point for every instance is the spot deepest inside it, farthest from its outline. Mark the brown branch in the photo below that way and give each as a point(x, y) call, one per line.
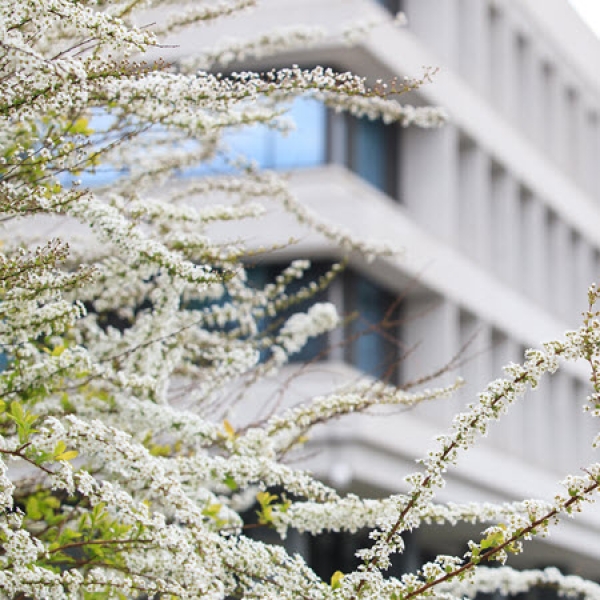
point(516, 537)
point(371, 564)
point(19, 454)
point(98, 543)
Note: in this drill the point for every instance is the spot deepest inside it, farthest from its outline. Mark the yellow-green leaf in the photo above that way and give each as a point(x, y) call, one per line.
point(69, 455)
point(265, 498)
point(229, 430)
point(336, 580)
point(33, 508)
point(80, 126)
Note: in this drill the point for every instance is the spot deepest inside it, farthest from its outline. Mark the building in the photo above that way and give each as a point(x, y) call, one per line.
point(498, 212)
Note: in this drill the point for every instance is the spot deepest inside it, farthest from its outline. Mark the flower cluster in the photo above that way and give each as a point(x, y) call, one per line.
point(135, 342)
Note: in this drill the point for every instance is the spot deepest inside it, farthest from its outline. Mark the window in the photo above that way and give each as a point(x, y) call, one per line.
point(100, 136)
point(373, 153)
point(260, 276)
point(271, 149)
point(372, 334)
point(367, 147)
point(394, 6)
point(304, 146)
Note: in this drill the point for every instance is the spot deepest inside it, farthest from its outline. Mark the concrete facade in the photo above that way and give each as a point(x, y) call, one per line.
point(499, 213)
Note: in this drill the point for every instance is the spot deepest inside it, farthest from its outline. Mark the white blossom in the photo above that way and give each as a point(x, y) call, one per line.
point(125, 468)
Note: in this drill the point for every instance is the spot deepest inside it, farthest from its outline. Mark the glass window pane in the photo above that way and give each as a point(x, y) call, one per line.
point(270, 149)
point(373, 341)
point(259, 276)
point(305, 146)
point(393, 6)
point(369, 158)
point(252, 143)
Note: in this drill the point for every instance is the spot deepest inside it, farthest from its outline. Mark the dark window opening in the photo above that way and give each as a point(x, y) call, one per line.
point(372, 335)
point(316, 347)
point(394, 6)
point(373, 153)
point(369, 148)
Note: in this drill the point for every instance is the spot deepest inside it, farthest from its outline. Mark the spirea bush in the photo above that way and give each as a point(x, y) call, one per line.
point(123, 339)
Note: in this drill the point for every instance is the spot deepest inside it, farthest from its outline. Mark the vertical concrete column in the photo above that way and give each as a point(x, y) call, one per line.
point(530, 90)
point(522, 88)
point(474, 44)
point(429, 183)
point(563, 423)
point(335, 295)
point(476, 360)
point(590, 423)
point(504, 226)
point(586, 426)
point(536, 89)
point(547, 109)
point(538, 422)
point(560, 262)
point(503, 64)
point(337, 149)
point(589, 153)
point(474, 227)
point(507, 433)
point(576, 129)
point(533, 246)
point(594, 152)
point(583, 272)
point(561, 127)
point(439, 33)
point(430, 337)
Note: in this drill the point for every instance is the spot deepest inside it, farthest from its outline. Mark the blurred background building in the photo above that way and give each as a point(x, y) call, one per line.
point(499, 213)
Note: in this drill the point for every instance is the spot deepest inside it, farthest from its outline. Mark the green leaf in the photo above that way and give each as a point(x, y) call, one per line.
point(32, 508)
point(265, 498)
point(69, 455)
point(212, 510)
point(229, 430)
point(58, 350)
point(336, 580)
point(80, 127)
point(23, 420)
point(229, 481)
point(495, 538)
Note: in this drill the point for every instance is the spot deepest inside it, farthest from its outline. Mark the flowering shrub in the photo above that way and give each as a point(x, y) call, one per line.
point(108, 486)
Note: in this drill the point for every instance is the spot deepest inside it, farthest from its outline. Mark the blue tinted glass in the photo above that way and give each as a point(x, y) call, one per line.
point(100, 123)
point(258, 277)
point(101, 137)
point(253, 143)
point(305, 146)
point(369, 152)
point(370, 349)
point(270, 149)
point(372, 346)
point(391, 5)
